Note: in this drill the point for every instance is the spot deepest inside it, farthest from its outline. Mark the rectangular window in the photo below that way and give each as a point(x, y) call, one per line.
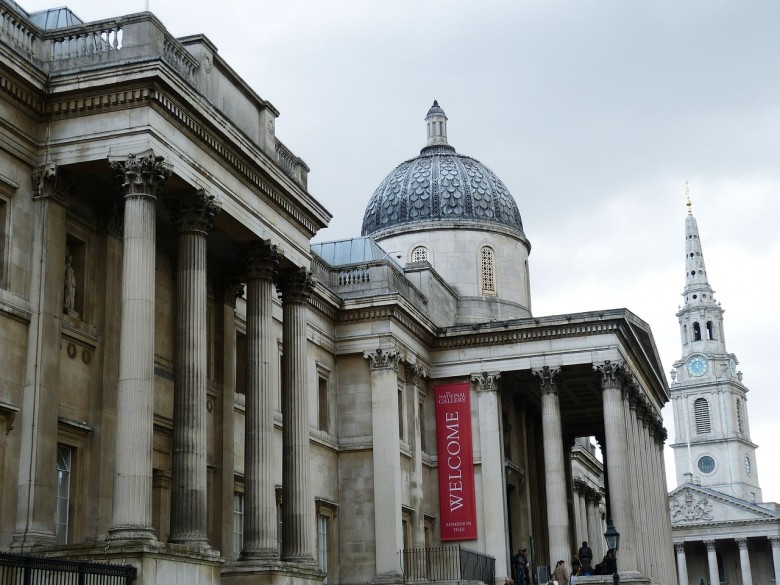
point(62, 493)
point(401, 433)
point(323, 525)
point(322, 397)
point(238, 523)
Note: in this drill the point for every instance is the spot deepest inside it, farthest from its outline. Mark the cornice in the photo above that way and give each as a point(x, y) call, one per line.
point(22, 94)
point(525, 332)
point(383, 313)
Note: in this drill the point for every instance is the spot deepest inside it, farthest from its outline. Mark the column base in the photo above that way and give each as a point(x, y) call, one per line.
point(253, 572)
point(24, 541)
point(388, 578)
point(157, 563)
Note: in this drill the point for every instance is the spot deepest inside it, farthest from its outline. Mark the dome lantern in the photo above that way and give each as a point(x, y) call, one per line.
point(436, 122)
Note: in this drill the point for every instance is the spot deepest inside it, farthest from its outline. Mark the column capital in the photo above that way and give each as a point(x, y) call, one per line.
point(612, 374)
point(679, 548)
point(141, 175)
point(742, 543)
point(259, 258)
point(295, 285)
point(710, 544)
point(774, 541)
point(416, 372)
point(192, 212)
point(231, 289)
point(48, 183)
point(486, 381)
point(381, 359)
point(549, 379)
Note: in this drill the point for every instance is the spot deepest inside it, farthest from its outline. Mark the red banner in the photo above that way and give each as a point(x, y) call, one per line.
point(456, 463)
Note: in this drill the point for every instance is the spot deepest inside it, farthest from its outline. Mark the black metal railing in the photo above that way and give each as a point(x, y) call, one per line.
point(29, 570)
point(447, 563)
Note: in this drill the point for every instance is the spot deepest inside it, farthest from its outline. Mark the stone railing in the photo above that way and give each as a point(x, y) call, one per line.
point(137, 38)
point(294, 166)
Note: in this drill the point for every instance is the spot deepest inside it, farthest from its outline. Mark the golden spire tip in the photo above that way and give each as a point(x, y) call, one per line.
point(688, 196)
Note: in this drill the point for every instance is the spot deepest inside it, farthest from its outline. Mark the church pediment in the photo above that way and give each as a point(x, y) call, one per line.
point(689, 505)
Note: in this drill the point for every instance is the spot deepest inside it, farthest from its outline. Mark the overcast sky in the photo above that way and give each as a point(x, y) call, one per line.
point(594, 114)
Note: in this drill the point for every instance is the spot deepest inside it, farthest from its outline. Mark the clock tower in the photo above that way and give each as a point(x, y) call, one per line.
point(712, 443)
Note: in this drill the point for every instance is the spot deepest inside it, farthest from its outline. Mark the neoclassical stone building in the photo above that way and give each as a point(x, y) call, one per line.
point(723, 531)
point(190, 386)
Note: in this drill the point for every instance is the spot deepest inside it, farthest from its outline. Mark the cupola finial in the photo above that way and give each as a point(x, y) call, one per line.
point(436, 122)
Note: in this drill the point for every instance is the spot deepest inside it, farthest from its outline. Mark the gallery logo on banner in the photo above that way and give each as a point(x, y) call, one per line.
point(456, 464)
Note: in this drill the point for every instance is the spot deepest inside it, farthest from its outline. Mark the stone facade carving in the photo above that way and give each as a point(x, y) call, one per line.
point(142, 175)
point(690, 508)
point(486, 381)
point(193, 213)
point(613, 374)
point(295, 285)
point(259, 259)
point(382, 359)
point(549, 379)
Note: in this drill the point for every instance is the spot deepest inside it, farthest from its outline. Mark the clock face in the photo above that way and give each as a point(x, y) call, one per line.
point(697, 365)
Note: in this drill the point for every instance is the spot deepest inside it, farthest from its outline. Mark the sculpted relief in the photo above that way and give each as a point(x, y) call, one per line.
point(689, 508)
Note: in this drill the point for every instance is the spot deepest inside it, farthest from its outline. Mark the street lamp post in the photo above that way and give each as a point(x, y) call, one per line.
point(612, 537)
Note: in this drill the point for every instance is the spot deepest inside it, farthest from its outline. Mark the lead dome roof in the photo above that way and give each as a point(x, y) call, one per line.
point(438, 186)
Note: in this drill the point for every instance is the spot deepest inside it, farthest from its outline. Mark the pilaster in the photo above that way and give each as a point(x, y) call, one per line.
point(386, 461)
point(35, 494)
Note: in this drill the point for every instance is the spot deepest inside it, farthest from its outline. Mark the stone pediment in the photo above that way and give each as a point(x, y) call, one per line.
point(693, 505)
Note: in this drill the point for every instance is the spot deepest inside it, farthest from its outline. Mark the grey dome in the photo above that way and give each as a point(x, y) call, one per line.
point(442, 185)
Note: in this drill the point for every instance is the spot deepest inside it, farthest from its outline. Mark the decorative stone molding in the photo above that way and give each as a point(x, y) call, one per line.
point(232, 289)
point(381, 359)
point(486, 381)
point(416, 372)
point(679, 548)
point(259, 259)
point(612, 374)
point(710, 544)
point(48, 182)
point(8, 414)
point(296, 285)
point(549, 379)
point(141, 175)
point(742, 543)
point(690, 508)
point(774, 541)
point(193, 212)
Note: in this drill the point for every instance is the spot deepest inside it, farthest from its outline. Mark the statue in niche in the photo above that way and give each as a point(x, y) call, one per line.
point(70, 285)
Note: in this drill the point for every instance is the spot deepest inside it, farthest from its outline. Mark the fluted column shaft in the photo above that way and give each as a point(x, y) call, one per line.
point(260, 522)
point(775, 543)
point(595, 533)
point(744, 561)
point(712, 562)
point(682, 564)
point(142, 178)
point(582, 532)
point(618, 463)
point(636, 485)
point(193, 217)
point(298, 509)
point(554, 467)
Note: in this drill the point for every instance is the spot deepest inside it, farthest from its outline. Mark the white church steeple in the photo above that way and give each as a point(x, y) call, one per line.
point(712, 444)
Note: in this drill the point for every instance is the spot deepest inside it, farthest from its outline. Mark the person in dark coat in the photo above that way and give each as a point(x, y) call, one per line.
point(585, 554)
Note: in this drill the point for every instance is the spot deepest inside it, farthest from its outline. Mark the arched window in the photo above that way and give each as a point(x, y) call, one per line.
point(420, 254)
point(685, 334)
point(701, 415)
point(696, 331)
point(709, 330)
point(488, 270)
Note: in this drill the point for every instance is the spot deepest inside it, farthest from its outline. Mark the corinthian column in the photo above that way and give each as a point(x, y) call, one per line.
point(298, 509)
point(193, 217)
point(142, 179)
point(775, 543)
point(744, 561)
point(260, 539)
point(682, 563)
point(619, 469)
point(491, 448)
point(554, 466)
point(712, 562)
